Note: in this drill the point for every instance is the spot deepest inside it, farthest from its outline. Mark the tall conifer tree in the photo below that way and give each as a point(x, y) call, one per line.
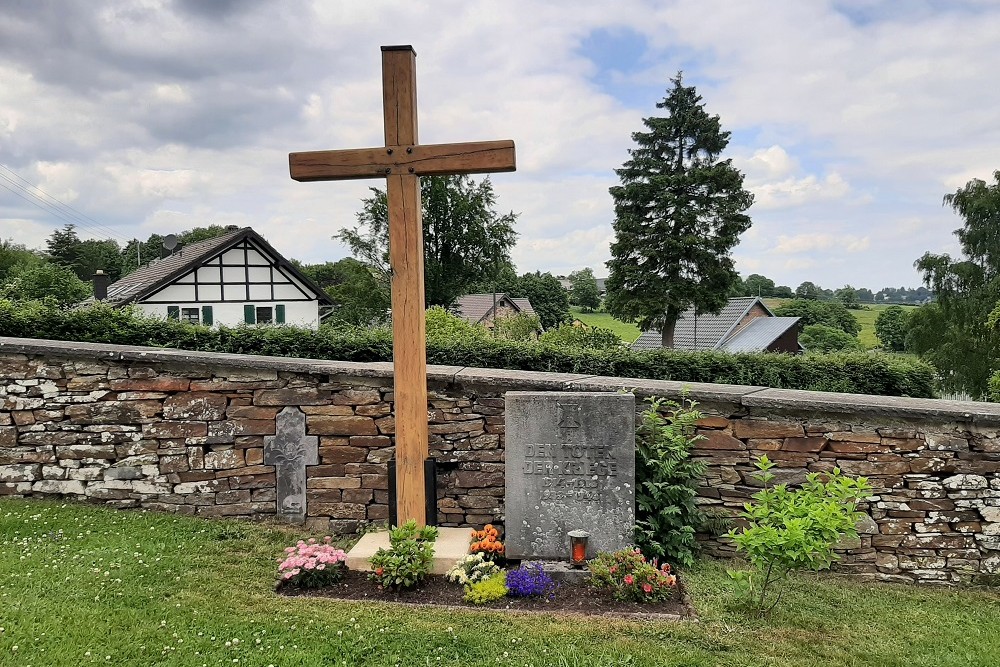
point(678, 212)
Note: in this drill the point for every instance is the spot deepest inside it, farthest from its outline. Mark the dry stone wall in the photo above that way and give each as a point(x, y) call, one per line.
point(223, 435)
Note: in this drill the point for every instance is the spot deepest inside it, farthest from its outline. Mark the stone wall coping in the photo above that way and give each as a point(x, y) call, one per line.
point(732, 398)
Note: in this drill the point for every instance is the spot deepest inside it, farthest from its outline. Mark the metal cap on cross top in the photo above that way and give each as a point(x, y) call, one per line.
point(401, 162)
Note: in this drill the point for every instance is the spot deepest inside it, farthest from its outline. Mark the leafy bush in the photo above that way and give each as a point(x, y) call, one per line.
point(582, 337)
point(861, 373)
point(517, 327)
point(408, 560)
point(794, 529)
point(486, 542)
point(667, 481)
point(489, 590)
point(890, 327)
point(821, 338)
point(472, 568)
point(830, 313)
point(631, 577)
point(993, 390)
point(312, 565)
point(530, 580)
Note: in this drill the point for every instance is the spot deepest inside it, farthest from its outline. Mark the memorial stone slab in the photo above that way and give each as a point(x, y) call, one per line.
point(570, 465)
point(290, 450)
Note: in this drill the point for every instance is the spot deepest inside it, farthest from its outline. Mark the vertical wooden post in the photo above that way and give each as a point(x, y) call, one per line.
point(406, 257)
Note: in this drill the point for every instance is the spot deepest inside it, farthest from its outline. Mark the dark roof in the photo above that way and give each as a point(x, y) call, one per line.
point(156, 275)
point(759, 334)
point(524, 305)
point(706, 331)
point(477, 307)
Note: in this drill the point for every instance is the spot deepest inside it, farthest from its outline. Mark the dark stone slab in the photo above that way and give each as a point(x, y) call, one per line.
point(570, 465)
point(290, 450)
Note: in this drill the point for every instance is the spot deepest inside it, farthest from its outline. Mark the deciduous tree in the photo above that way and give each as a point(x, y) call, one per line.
point(953, 333)
point(679, 210)
point(583, 290)
point(466, 242)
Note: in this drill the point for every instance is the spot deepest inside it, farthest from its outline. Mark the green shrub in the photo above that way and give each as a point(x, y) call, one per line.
point(631, 577)
point(821, 338)
point(794, 529)
point(667, 481)
point(891, 326)
point(856, 372)
point(408, 560)
point(488, 590)
point(582, 337)
point(517, 327)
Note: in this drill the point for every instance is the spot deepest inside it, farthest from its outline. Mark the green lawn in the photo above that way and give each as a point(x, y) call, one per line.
point(82, 585)
point(627, 332)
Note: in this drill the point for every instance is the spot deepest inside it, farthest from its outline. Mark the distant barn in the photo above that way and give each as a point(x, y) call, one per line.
point(744, 324)
point(236, 278)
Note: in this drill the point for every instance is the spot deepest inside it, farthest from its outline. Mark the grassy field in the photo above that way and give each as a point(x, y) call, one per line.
point(82, 585)
point(627, 332)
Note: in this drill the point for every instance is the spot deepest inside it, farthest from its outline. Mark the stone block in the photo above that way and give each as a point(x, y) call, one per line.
point(356, 397)
point(296, 396)
point(250, 412)
point(126, 472)
point(328, 410)
point(175, 430)
point(160, 383)
point(334, 483)
point(969, 482)
point(751, 428)
point(254, 456)
point(8, 436)
point(20, 472)
point(339, 510)
point(813, 444)
point(716, 440)
point(377, 410)
point(78, 452)
point(195, 405)
point(230, 497)
point(336, 425)
point(59, 487)
point(225, 459)
point(175, 463)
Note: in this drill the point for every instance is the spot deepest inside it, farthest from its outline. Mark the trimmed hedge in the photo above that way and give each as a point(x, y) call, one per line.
point(852, 372)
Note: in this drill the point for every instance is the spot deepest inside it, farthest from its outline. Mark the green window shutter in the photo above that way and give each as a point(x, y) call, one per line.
point(249, 314)
point(279, 314)
point(173, 312)
point(206, 315)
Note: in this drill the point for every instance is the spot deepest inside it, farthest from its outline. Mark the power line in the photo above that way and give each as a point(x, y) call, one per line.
point(61, 210)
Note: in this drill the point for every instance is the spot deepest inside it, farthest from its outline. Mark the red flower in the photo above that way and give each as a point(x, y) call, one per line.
point(647, 588)
point(629, 579)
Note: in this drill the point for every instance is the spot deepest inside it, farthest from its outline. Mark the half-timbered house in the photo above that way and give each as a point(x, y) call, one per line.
point(230, 279)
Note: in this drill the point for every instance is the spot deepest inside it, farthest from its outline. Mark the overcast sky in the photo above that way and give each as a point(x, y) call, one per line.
point(849, 119)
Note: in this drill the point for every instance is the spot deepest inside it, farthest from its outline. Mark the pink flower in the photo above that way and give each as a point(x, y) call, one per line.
point(629, 579)
point(648, 588)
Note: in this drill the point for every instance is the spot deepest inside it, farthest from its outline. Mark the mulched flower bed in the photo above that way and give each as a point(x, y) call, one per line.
point(570, 598)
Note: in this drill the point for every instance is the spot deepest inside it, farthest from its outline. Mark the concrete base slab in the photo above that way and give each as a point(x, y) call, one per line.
point(451, 544)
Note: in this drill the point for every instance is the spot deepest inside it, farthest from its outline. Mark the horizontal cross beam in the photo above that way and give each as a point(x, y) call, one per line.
point(420, 160)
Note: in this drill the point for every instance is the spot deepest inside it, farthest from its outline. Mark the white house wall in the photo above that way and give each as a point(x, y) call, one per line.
point(298, 313)
point(242, 275)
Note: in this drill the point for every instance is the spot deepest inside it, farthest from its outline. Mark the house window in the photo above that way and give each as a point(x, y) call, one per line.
point(190, 315)
point(264, 314)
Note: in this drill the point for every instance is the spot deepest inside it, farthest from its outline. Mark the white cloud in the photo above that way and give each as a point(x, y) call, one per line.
point(165, 120)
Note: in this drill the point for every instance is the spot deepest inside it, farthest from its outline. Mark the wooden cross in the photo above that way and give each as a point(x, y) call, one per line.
point(401, 162)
